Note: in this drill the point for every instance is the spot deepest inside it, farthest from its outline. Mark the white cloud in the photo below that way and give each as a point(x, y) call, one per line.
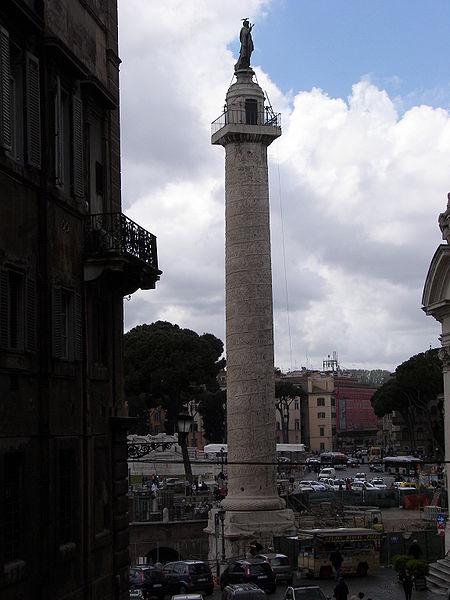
point(360, 185)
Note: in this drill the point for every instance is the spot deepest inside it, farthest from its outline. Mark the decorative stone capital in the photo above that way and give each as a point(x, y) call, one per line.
point(444, 356)
point(444, 222)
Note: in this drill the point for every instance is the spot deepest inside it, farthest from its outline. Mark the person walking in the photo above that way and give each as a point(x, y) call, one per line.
point(407, 581)
point(341, 590)
point(336, 559)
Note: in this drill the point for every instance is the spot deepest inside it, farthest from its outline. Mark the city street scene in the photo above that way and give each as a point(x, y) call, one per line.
point(224, 300)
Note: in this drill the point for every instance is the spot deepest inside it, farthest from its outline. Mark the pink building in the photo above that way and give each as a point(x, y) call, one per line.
point(355, 417)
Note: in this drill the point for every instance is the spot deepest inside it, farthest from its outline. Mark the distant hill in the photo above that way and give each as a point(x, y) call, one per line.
point(373, 377)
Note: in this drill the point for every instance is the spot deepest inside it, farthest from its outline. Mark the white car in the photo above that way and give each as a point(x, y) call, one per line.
point(362, 485)
point(360, 476)
point(378, 482)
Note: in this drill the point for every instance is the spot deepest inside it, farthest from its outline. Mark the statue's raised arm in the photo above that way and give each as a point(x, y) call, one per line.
point(246, 46)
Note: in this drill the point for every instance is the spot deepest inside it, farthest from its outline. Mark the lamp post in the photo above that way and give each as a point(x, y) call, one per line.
point(184, 423)
point(222, 523)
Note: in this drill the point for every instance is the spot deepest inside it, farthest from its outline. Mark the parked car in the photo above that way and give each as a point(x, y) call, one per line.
point(149, 580)
point(280, 565)
point(136, 594)
point(185, 576)
point(243, 591)
point(339, 484)
point(187, 597)
point(360, 477)
point(353, 462)
point(317, 486)
point(251, 570)
point(310, 592)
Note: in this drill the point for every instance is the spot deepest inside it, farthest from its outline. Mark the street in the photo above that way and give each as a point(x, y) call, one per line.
point(380, 584)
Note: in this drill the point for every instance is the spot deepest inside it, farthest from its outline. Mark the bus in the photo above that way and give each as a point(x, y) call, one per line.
point(338, 460)
point(360, 548)
point(402, 465)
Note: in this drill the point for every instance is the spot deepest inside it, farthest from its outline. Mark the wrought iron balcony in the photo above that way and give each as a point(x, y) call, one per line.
point(119, 249)
point(243, 116)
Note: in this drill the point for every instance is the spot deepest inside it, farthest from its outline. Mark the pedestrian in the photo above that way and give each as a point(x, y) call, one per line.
point(415, 550)
point(336, 559)
point(341, 590)
point(407, 580)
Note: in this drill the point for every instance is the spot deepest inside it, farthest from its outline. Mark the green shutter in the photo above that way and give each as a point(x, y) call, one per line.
point(5, 91)
point(4, 309)
point(77, 151)
point(56, 322)
point(33, 106)
point(30, 316)
point(78, 326)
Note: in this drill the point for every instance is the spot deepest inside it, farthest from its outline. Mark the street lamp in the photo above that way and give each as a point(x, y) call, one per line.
point(222, 520)
point(184, 423)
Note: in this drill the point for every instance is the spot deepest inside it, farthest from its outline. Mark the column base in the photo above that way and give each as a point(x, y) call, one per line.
point(242, 527)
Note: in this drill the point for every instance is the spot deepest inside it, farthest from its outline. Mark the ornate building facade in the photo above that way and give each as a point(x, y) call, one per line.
point(67, 257)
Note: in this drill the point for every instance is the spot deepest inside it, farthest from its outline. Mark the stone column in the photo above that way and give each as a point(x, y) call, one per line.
point(253, 506)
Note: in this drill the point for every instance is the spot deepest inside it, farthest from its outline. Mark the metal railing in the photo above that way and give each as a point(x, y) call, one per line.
point(143, 507)
point(116, 234)
point(241, 116)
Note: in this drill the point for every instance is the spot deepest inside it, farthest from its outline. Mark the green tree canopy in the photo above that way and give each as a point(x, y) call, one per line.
point(168, 366)
point(416, 383)
point(285, 393)
point(212, 408)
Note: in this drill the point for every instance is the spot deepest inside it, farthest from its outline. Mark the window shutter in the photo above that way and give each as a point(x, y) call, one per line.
point(56, 322)
point(78, 327)
point(30, 316)
point(33, 100)
point(58, 135)
point(4, 309)
point(5, 91)
point(77, 140)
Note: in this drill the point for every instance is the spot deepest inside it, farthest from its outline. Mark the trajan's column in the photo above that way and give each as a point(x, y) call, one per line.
point(253, 507)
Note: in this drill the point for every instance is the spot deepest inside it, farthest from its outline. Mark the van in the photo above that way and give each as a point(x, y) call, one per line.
point(327, 472)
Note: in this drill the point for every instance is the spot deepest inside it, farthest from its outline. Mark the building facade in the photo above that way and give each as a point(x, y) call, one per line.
point(67, 257)
point(356, 423)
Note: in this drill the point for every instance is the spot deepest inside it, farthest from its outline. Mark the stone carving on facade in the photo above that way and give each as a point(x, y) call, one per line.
point(444, 222)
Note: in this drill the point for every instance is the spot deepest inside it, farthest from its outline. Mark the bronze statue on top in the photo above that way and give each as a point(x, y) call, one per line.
point(246, 46)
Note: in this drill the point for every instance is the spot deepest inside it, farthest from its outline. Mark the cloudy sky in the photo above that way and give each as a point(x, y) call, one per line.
point(357, 179)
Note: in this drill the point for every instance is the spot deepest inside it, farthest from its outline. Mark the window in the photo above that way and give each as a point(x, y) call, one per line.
point(333, 401)
point(251, 111)
point(296, 424)
point(19, 102)
point(322, 445)
point(13, 495)
point(320, 401)
point(17, 311)
point(321, 415)
point(296, 404)
point(67, 325)
point(321, 431)
point(68, 127)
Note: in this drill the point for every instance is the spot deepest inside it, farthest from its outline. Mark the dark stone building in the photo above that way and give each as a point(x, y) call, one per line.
point(67, 257)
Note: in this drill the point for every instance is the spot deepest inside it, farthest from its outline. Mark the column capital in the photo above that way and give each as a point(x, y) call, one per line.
point(444, 356)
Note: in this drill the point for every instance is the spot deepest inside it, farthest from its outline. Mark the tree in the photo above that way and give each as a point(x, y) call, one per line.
point(285, 393)
point(212, 408)
point(416, 384)
point(168, 366)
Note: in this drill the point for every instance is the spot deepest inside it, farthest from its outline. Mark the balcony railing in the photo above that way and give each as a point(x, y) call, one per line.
point(241, 116)
point(113, 234)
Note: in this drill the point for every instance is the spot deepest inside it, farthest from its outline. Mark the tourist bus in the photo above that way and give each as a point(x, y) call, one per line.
point(402, 465)
point(359, 547)
point(338, 460)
